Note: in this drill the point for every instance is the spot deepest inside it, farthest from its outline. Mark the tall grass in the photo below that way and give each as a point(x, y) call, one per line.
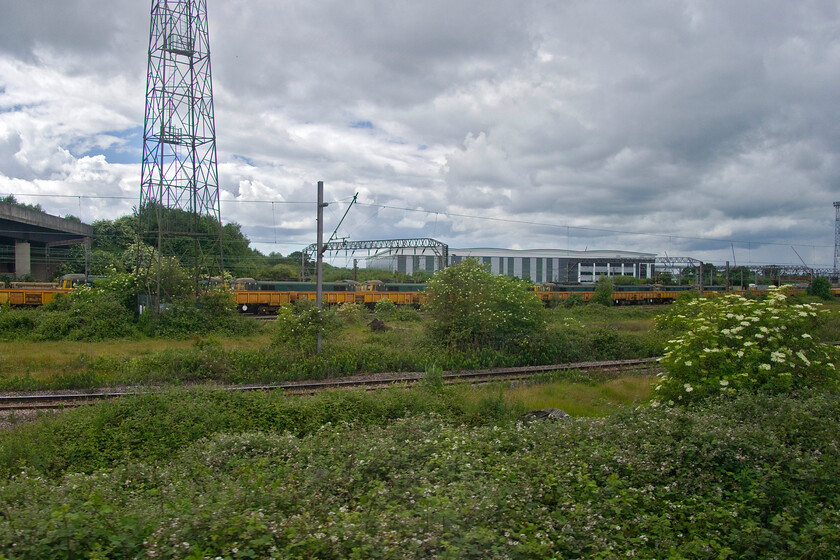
point(350, 350)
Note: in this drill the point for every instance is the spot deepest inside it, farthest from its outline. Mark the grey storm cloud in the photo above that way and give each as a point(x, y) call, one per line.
point(704, 127)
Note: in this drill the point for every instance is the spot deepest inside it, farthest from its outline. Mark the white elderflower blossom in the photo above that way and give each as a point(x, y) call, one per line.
point(688, 388)
point(765, 367)
point(724, 382)
point(802, 357)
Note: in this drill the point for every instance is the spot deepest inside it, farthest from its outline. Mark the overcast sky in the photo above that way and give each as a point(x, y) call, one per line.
point(689, 128)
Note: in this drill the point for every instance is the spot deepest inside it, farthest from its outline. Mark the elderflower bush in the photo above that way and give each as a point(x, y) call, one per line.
point(297, 329)
point(730, 344)
point(472, 307)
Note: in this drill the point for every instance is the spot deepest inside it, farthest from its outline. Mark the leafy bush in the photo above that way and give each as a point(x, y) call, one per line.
point(351, 313)
point(179, 319)
point(574, 300)
point(730, 344)
point(385, 309)
point(298, 328)
point(86, 314)
point(213, 311)
point(16, 323)
point(124, 286)
point(355, 476)
point(820, 287)
point(472, 307)
point(603, 293)
point(408, 314)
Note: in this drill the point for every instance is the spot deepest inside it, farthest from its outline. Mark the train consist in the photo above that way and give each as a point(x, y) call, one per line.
point(260, 297)
point(265, 297)
point(33, 294)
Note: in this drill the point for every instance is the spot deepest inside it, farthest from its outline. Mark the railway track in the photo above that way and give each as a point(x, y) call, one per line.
point(53, 401)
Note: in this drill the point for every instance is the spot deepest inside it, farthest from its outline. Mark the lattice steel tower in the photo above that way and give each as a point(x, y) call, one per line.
point(179, 192)
point(836, 237)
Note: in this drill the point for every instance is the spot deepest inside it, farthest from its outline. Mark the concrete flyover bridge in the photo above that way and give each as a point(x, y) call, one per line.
point(26, 236)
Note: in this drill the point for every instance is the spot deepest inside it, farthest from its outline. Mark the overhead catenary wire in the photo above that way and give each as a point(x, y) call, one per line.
point(437, 213)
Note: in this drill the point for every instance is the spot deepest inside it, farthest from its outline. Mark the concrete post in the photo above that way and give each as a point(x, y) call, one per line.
point(23, 262)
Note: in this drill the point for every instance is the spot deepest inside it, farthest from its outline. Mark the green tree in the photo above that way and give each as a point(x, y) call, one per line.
point(603, 291)
point(820, 287)
point(10, 199)
point(114, 236)
point(472, 307)
point(238, 256)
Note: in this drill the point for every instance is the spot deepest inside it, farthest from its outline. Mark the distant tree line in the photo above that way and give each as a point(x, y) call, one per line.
point(118, 244)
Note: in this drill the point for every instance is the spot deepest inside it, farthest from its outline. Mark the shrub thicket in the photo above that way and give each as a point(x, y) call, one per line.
point(250, 476)
point(385, 309)
point(469, 306)
point(603, 293)
point(730, 344)
point(351, 313)
point(297, 327)
point(85, 314)
point(574, 300)
point(820, 287)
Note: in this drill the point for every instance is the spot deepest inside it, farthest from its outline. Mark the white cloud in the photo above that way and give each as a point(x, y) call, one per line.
point(570, 122)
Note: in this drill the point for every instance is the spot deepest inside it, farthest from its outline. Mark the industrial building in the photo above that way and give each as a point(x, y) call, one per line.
point(537, 265)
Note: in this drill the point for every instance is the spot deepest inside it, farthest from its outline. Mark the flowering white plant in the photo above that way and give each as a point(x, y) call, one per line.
point(730, 343)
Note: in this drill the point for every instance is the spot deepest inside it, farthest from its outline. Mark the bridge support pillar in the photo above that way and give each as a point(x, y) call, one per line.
point(23, 260)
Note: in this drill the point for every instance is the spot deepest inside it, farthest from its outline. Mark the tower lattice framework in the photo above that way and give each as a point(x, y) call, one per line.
point(179, 210)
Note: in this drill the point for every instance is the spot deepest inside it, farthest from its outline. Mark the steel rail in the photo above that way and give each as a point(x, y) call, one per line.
point(68, 400)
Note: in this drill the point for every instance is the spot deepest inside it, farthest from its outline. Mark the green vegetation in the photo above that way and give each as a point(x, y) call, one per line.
point(746, 469)
point(106, 311)
point(470, 306)
point(603, 291)
point(820, 287)
point(729, 344)
point(10, 199)
point(284, 350)
point(297, 328)
point(418, 474)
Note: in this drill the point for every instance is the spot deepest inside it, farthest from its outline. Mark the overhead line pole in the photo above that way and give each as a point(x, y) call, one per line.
point(319, 288)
